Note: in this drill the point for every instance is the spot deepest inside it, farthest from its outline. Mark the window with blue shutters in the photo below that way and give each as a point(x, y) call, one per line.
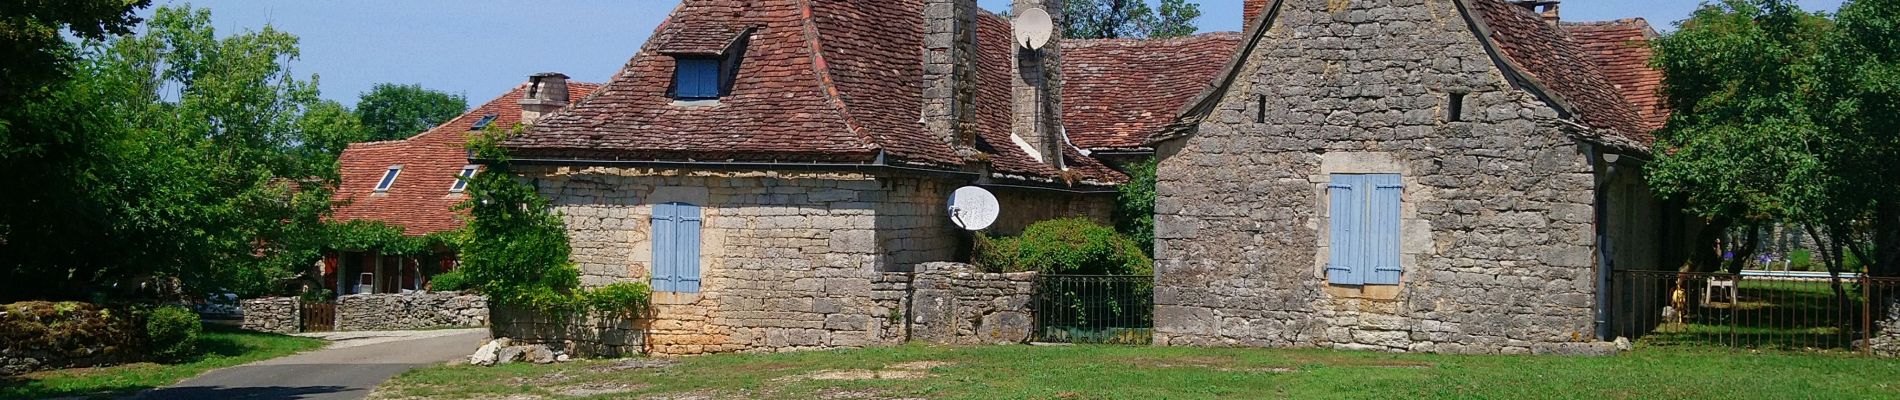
point(698, 78)
point(1364, 243)
point(676, 247)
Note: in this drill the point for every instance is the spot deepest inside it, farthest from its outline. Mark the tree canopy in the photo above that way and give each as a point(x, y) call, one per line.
point(391, 111)
point(1134, 19)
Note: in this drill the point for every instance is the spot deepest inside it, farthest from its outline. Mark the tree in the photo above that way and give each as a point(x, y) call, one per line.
point(1111, 19)
point(1860, 99)
point(1744, 146)
point(1135, 205)
point(32, 37)
point(392, 111)
point(195, 168)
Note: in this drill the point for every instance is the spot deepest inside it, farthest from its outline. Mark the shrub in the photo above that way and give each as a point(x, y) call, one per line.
point(173, 333)
point(451, 281)
point(624, 299)
point(1065, 246)
point(1135, 205)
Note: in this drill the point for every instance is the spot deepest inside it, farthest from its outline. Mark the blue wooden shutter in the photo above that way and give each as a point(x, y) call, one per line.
point(663, 253)
point(1342, 265)
point(686, 269)
point(1382, 229)
point(697, 78)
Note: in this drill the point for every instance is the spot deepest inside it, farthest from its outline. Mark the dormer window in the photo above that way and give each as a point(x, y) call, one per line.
point(389, 178)
point(698, 78)
point(461, 179)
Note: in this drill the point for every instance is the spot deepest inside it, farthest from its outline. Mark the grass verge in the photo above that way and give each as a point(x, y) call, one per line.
point(1117, 372)
point(220, 346)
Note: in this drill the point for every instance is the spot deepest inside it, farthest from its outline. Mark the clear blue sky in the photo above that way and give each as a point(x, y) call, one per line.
point(483, 48)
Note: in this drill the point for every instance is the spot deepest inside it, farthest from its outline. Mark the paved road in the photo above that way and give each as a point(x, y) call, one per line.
point(347, 369)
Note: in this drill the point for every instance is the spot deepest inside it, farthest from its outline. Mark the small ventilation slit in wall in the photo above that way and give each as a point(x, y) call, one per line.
point(1456, 112)
point(1260, 109)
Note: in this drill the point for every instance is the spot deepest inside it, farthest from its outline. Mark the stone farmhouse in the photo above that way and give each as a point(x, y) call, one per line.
point(413, 183)
point(1455, 176)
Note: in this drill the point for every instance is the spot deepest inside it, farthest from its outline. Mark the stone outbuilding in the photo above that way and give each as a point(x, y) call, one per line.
point(1454, 176)
point(765, 165)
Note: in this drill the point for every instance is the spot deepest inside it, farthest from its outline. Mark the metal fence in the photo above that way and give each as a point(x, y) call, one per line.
point(1804, 312)
point(1114, 309)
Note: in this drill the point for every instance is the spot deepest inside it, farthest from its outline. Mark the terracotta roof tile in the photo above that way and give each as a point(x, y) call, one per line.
point(419, 200)
point(1621, 49)
point(1548, 54)
point(993, 108)
point(698, 39)
point(1118, 92)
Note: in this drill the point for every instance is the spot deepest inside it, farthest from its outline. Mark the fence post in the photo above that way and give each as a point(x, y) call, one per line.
point(1867, 313)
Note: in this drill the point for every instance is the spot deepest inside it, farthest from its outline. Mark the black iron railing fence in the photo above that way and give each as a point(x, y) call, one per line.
point(1114, 309)
point(1768, 311)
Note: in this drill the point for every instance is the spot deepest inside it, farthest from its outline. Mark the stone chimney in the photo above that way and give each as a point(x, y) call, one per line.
point(1037, 90)
point(1251, 11)
point(547, 93)
point(950, 65)
point(1544, 8)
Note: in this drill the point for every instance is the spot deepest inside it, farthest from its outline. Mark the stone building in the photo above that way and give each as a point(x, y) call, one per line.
point(765, 164)
point(1410, 175)
point(414, 183)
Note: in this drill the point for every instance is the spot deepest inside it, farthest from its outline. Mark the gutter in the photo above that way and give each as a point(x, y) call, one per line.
point(1603, 171)
point(877, 166)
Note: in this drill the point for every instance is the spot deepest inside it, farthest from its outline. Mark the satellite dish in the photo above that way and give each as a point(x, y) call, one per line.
point(973, 208)
point(1034, 28)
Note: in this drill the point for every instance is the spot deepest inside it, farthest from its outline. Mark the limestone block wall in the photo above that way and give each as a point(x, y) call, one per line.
point(956, 304)
point(1024, 207)
point(579, 335)
point(790, 260)
point(1886, 340)
point(272, 314)
point(1497, 220)
point(375, 312)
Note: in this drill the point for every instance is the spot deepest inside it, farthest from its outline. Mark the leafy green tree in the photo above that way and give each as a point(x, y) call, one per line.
point(1135, 205)
point(514, 248)
point(195, 168)
point(392, 111)
point(1111, 19)
point(32, 37)
point(1860, 97)
point(1744, 146)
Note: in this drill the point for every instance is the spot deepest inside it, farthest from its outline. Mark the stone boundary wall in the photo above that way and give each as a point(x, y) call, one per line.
point(955, 303)
point(272, 314)
point(582, 336)
point(1886, 342)
point(382, 312)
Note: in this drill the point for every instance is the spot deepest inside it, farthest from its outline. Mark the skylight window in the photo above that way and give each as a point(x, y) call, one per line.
point(483, 123)
point(697, 78)
point(389, 178)
point(461, 179)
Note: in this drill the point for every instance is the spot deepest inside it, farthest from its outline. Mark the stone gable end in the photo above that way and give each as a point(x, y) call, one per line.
point(1496, 221)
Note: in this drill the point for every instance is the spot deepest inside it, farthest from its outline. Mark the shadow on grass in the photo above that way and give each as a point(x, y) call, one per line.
point(216, 342)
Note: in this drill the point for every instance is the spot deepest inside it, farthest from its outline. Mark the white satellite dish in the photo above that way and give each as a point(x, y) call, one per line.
point(973, 208)
point(1034, 28)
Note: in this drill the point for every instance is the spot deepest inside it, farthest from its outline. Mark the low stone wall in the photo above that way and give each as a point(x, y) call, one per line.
point(381, 312)
point(1886, 342)
point(954, 303)
point(582, 336)
point(40, 335)
point(272, 314)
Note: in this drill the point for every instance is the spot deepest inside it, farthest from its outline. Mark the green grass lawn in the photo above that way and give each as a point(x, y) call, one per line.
point(222, 347)
point(1131, 372)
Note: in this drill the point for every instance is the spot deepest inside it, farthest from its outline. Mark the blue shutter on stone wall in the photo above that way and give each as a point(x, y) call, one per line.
point(1382, 231)
point(697, 78)
point(663, 252)
point(1342, 265)
point(686, 269)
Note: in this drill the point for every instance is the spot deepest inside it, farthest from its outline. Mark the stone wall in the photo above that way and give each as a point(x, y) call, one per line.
point(377, 312)
point(1025, 207)
point(790, 260)
point(956, 304)
point(583, 336)
point(272, 314)
point(1886, 340)
point(1497, 235)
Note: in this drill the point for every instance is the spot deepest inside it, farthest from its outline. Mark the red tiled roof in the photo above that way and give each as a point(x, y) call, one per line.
point(994, 105)
point(829, 81)
point(1118, 92)
point(419, 200)
point(1621, 49)
point(698, 39)
point(1559, 64)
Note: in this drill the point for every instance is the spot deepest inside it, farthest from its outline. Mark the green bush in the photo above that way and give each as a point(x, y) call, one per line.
point(451, 281)
point(625, 299)
point(173, 333)
point(1072, 246)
